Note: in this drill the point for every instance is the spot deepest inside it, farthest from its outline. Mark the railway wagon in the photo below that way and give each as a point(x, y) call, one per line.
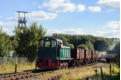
point(93, 56)
point(78, 56)
point(52, 54)
point(87, 56)
point(100, 55)
point(75, 53)
point(81, 56)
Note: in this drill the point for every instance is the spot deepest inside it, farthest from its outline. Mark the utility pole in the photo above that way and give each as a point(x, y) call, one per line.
point(21, 19)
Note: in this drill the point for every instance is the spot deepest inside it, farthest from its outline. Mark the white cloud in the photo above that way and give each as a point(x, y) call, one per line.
point(35, 16)
point(113, 31)
point(63, 6)
point(59, 6)
point(12, 19)
point(7, 24)
point(113, 25)
point(6, 30)
point(94, 8)
point(115, 4)
point(66, 31)
point(110, 34)
point(7, 27)
point(41, 15)
point(81, 7)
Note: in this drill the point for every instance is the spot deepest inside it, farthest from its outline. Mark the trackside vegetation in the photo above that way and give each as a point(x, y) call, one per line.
point(88, 73)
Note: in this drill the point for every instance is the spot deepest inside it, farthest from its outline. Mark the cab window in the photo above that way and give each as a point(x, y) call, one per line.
point(41, 43)
point(47, 43)
point(53, 43)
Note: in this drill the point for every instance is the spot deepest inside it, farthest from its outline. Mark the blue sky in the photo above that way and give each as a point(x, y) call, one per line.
point(93, 17)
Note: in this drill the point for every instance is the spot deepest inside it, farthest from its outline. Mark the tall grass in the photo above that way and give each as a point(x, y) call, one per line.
point(90, 72)
point(7, 64)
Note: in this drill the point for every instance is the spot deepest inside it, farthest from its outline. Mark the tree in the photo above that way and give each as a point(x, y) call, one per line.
point(83, 46)
point(62, 37)
point(89, 45)
point(116, 51)
point(70, 45)
point(116, 48)
point(75, 40)
point(5, 45)
point(101, 45)
point(27, 40)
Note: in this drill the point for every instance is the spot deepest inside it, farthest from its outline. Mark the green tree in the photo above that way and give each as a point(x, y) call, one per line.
point(116, 49)
point(62, 37)
point(89, 45)
point(70, 45)
point(101, 45)
point(5, 44)
point(75, 40)
point(83, 46)
point(27, 40)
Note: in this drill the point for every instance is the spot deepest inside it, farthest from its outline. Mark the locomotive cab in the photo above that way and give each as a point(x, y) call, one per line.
point(48, 55)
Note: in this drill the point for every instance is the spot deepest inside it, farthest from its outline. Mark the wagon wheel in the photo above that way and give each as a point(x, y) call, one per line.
point(60, 66)
point(77, 63)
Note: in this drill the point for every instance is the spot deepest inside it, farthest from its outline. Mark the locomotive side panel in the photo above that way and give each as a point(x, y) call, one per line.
point(65, 53)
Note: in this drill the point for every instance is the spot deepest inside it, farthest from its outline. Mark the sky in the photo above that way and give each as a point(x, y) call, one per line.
point(81, 17)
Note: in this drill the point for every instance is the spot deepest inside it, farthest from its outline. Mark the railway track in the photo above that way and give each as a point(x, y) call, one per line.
point(21, 75)
point(30, 74)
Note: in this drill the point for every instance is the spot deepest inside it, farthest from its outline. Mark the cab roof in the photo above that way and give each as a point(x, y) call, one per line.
point(49, 38)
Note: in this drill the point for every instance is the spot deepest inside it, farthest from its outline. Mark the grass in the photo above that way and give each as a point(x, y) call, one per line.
point(90, 72)
point(84, 72)
point(63, 71)
point(10, 67)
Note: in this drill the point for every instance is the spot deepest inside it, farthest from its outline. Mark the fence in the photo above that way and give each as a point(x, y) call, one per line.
point(101, 75)
point(9, 64)
point(15, 60)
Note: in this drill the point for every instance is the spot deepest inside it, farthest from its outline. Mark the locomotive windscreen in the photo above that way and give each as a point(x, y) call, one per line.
point(47, 49)
point(47, 43)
